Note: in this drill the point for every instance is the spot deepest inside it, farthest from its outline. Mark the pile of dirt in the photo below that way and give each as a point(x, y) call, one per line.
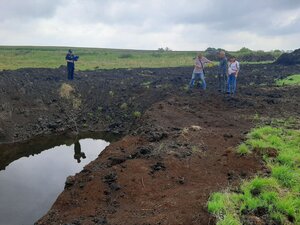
point(289, 58)
point(180, 151)
point(213, 55)
point(257, 57)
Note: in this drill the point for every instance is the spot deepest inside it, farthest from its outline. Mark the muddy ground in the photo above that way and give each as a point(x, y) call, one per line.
point(169, 160)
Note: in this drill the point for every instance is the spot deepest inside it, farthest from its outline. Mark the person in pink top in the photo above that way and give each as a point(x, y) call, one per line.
point(198, 72)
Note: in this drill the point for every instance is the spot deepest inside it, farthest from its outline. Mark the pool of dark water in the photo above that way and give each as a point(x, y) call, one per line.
point(33, 174)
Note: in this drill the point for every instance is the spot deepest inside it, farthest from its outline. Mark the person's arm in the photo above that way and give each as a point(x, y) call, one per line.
point(68, 59)
point(226, 67)
point(238, 69)
point(205, 60)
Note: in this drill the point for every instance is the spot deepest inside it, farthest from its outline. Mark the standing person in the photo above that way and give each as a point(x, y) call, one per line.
point(198, 72)
point(223, 70)
point(70, 64)
point(233, 71)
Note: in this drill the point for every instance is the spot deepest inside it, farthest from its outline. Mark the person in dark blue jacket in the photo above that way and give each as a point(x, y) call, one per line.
point(223, 71)
point(70, 64)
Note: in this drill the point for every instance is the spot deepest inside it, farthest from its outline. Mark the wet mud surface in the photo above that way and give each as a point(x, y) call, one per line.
point(170, 159)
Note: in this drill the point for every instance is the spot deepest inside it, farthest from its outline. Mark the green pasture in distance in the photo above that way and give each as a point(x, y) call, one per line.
point(14, 57)
point(91, 58)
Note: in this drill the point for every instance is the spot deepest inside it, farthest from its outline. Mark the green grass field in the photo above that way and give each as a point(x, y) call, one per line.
point(90, 58)
point(12, 57)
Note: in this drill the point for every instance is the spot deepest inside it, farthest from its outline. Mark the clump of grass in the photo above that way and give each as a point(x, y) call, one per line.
point(243, 149)
point(222, 205)
point(285, 175)
point(290, 80)
point(146, 84)
point(229, 220)
point(218, 203)
point(76, 102)
point(195, 149)
point(111, 93)
point(256, 118)
point(124, 106)
point(137, 114)
point(185, 88)
point(66, 91)
point(290, 122)
point(277, 195)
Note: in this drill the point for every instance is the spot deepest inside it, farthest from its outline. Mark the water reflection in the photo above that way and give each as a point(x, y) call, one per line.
point(12, 152)
point(31, 184)
point(77, 152)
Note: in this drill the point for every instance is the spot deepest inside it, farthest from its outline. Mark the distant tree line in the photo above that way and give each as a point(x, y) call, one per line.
point(166, 49)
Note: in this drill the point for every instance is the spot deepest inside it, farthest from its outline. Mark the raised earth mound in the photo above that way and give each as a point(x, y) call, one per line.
point(289, 58)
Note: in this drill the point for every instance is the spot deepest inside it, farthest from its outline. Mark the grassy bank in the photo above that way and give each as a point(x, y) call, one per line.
point(268, 199)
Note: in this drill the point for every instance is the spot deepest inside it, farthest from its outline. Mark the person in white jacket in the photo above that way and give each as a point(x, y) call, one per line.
point(233, 71)
point(198, 72)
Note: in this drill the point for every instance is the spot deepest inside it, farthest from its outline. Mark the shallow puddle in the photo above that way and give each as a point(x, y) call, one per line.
point(30, 184)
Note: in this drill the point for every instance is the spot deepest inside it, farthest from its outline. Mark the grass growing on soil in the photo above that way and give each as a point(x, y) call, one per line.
point(243, 149)
point(290, 80)
point(274, 199)
point(137, 114)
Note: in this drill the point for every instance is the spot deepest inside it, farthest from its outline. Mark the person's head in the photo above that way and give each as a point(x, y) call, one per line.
point(232, 59)
point(222, 54)
point(199, 55)
point(70, 51)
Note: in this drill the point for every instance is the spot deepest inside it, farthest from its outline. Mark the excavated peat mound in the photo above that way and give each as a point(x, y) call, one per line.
point(292, 58)
point(169, 160)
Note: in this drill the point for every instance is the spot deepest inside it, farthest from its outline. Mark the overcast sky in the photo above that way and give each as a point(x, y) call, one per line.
point(150, 24)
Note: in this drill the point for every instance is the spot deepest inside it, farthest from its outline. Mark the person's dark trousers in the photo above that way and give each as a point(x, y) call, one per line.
point(222, 82)
point(70, 72)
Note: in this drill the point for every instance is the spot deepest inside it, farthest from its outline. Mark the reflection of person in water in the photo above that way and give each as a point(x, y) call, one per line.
point(77, 152)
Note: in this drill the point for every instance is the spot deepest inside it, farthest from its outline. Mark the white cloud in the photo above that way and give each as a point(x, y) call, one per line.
point(139, 24)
